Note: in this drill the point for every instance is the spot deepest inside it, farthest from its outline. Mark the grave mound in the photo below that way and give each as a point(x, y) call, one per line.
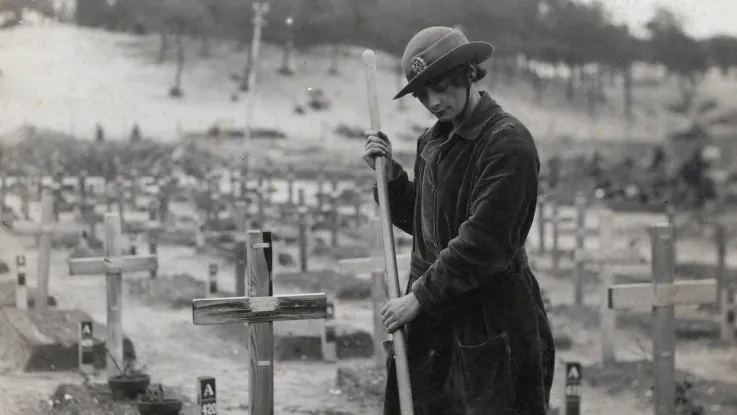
point(47, 340)
point(97, 399)
point(7, 295)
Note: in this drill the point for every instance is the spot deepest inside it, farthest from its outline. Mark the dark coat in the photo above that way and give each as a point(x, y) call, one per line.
point(482, 343)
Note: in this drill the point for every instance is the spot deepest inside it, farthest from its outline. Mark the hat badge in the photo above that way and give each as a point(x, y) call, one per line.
point(418, 65)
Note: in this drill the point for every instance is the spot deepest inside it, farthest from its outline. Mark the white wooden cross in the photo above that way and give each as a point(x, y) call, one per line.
point(661, 296)
point(260, 308)
point(44, 231)
point(113, 265)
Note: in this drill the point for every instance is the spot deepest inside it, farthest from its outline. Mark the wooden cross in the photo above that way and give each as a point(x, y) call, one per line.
point(260, 309)
point(113, 265)
point(44, 231)
point(661, 296)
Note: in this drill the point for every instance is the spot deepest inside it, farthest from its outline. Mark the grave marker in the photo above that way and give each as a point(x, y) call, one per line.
point(662, 295)
point(207, 395)
point(86, 346)
point(113, 265)
point(21, 290)
point(572, 392)
point(212, 280)
point(260, 309)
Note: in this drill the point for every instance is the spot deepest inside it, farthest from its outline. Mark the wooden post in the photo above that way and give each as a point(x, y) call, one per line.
point(206, 396)
point(21, 289)
point(120, 196)
point(241, 255)
point(608, 321)
point(334, 219)
point(327, 335)
point(578, 270)
point(260, 309)
point(662, 295)
point(290, 186)
point(134, 188)
point(726, 332)
point(25, 198)
point(319, 192)
point(153, 228)
point(303, 249)
point(44, 251)
point(56, 191)
point(212, 281)
point(113, 265)
point(357, 202)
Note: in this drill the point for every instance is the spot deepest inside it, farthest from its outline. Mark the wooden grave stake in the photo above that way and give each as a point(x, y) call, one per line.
point(212, 280)
point(21, 289)
point(662, 295)
point(328, 338)
point(260, 309)
point(85, 348)
point(153, 229)
point(207, 395)
point(113, 265)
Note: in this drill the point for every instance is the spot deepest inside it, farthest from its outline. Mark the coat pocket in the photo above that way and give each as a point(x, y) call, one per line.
point(483, 377)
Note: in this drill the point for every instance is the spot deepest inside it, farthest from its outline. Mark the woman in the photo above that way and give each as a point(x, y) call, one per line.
point(478, 338)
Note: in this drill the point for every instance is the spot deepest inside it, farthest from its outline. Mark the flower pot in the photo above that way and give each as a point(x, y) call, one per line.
point(163, 407)
point(128, 387)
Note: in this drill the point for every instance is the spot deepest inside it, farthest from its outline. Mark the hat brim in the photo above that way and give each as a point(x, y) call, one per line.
point(469, 52)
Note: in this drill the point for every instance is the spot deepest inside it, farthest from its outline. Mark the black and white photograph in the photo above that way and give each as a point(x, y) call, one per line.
point(368, 207)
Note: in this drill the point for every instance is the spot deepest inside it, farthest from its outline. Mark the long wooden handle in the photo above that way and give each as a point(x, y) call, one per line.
point(390, 259)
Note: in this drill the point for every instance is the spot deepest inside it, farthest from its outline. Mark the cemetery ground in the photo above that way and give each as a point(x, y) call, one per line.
point(157, 319)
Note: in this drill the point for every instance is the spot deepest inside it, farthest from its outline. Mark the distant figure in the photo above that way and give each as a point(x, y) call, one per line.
point(136, 133)
point(99, 133)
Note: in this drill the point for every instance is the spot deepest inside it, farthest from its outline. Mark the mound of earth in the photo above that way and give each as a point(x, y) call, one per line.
point(97, 399)
point(713, 396)
point(47, 340)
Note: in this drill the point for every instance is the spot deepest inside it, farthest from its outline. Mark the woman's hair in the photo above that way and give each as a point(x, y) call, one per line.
point(460, 75)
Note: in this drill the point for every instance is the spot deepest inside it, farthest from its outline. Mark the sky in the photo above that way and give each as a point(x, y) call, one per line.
point(703, 18)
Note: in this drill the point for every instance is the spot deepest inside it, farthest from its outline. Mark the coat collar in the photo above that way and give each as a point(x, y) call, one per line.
point(472, 126)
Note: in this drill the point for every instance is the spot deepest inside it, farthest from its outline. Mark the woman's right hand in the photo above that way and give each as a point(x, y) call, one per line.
point(377, 144)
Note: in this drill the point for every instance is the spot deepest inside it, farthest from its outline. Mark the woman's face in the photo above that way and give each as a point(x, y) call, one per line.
point(443, 99)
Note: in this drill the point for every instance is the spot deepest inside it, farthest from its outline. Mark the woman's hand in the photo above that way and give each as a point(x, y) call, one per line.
point(377, 144)
point(400, 311)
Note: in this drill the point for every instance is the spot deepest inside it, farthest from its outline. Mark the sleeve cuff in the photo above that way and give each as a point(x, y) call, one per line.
point(425, 298)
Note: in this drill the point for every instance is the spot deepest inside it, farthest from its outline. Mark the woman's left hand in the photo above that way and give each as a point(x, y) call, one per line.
point(400, 311)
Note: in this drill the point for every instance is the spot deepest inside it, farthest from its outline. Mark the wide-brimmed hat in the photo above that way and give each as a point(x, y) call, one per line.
point(434, 50)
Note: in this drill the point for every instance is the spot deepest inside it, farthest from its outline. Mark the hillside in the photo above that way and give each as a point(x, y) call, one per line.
point(69, 78)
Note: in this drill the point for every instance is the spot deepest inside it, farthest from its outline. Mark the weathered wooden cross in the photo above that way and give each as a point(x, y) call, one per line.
point(44, 231)
point(661, 296)
point(113, 265)
point(260, 308)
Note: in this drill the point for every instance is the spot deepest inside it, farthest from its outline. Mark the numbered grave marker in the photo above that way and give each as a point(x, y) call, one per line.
point(207, 395)
point(573, 392)
point(86, 347)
